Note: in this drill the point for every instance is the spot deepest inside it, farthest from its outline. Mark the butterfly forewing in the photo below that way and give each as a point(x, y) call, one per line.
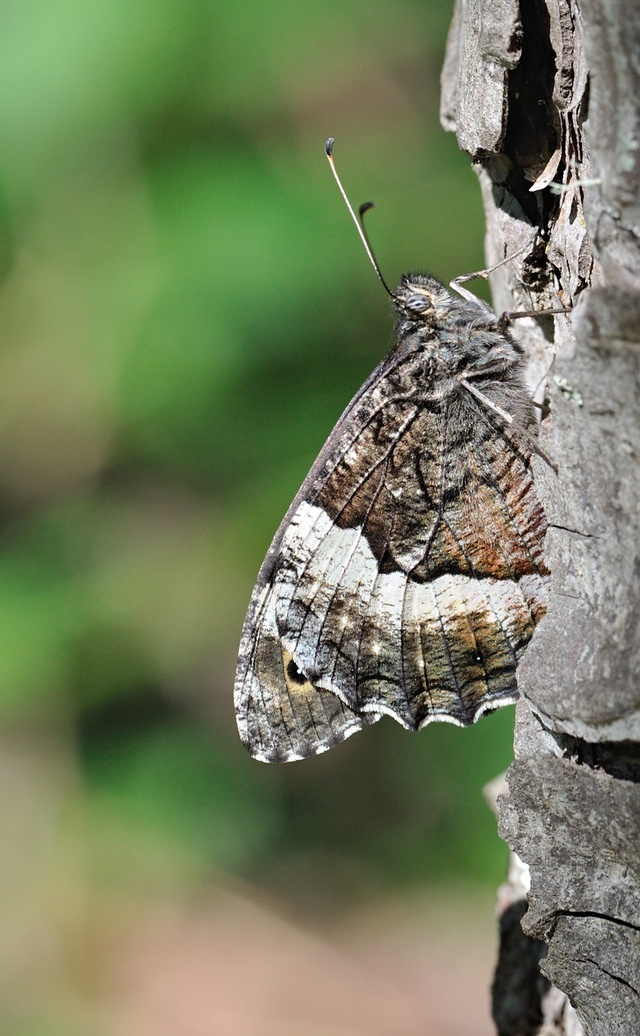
point(407, 576)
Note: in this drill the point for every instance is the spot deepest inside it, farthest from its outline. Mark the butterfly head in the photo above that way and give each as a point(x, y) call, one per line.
point(421, 299)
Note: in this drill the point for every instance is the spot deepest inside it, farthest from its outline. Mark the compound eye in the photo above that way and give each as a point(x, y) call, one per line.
point(418, 303)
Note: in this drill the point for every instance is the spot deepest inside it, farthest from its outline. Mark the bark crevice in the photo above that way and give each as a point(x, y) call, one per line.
point(545, 99)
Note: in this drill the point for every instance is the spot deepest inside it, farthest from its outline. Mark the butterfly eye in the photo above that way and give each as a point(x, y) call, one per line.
point(418, 303)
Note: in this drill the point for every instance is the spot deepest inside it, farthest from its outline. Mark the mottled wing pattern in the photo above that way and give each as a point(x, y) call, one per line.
point(407, 576)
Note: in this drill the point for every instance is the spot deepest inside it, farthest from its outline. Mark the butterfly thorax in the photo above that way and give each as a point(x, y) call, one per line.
point(456, 338)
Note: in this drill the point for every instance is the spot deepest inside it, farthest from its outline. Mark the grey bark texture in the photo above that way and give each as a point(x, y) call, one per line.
point(544, 96)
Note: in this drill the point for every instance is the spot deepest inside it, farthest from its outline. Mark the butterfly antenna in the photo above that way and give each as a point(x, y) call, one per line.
point(358, 220)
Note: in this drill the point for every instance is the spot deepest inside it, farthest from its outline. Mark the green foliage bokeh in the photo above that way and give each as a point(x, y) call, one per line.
point(186, 309)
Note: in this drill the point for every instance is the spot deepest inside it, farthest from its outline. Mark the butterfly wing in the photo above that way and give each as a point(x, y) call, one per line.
point(406, 577)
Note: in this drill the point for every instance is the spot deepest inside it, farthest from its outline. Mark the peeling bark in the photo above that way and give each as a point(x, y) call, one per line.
point(544, 96)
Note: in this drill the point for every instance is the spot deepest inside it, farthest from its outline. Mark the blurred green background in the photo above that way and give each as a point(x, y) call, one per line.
point(186, 309)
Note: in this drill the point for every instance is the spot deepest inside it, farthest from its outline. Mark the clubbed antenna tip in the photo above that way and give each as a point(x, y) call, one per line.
point(328, 150)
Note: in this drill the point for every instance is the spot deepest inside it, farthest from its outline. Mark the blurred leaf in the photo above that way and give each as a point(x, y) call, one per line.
point(186, 310)
point(170, 777)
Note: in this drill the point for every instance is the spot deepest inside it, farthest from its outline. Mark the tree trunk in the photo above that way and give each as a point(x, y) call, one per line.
point(544, 97)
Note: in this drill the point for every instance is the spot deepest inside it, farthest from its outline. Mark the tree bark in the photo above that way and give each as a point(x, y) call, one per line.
point(544, 96)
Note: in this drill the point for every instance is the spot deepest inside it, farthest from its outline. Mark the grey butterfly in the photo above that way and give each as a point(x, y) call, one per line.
point(407, 577)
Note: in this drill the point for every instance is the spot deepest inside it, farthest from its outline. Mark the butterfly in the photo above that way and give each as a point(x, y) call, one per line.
point(407, 576)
